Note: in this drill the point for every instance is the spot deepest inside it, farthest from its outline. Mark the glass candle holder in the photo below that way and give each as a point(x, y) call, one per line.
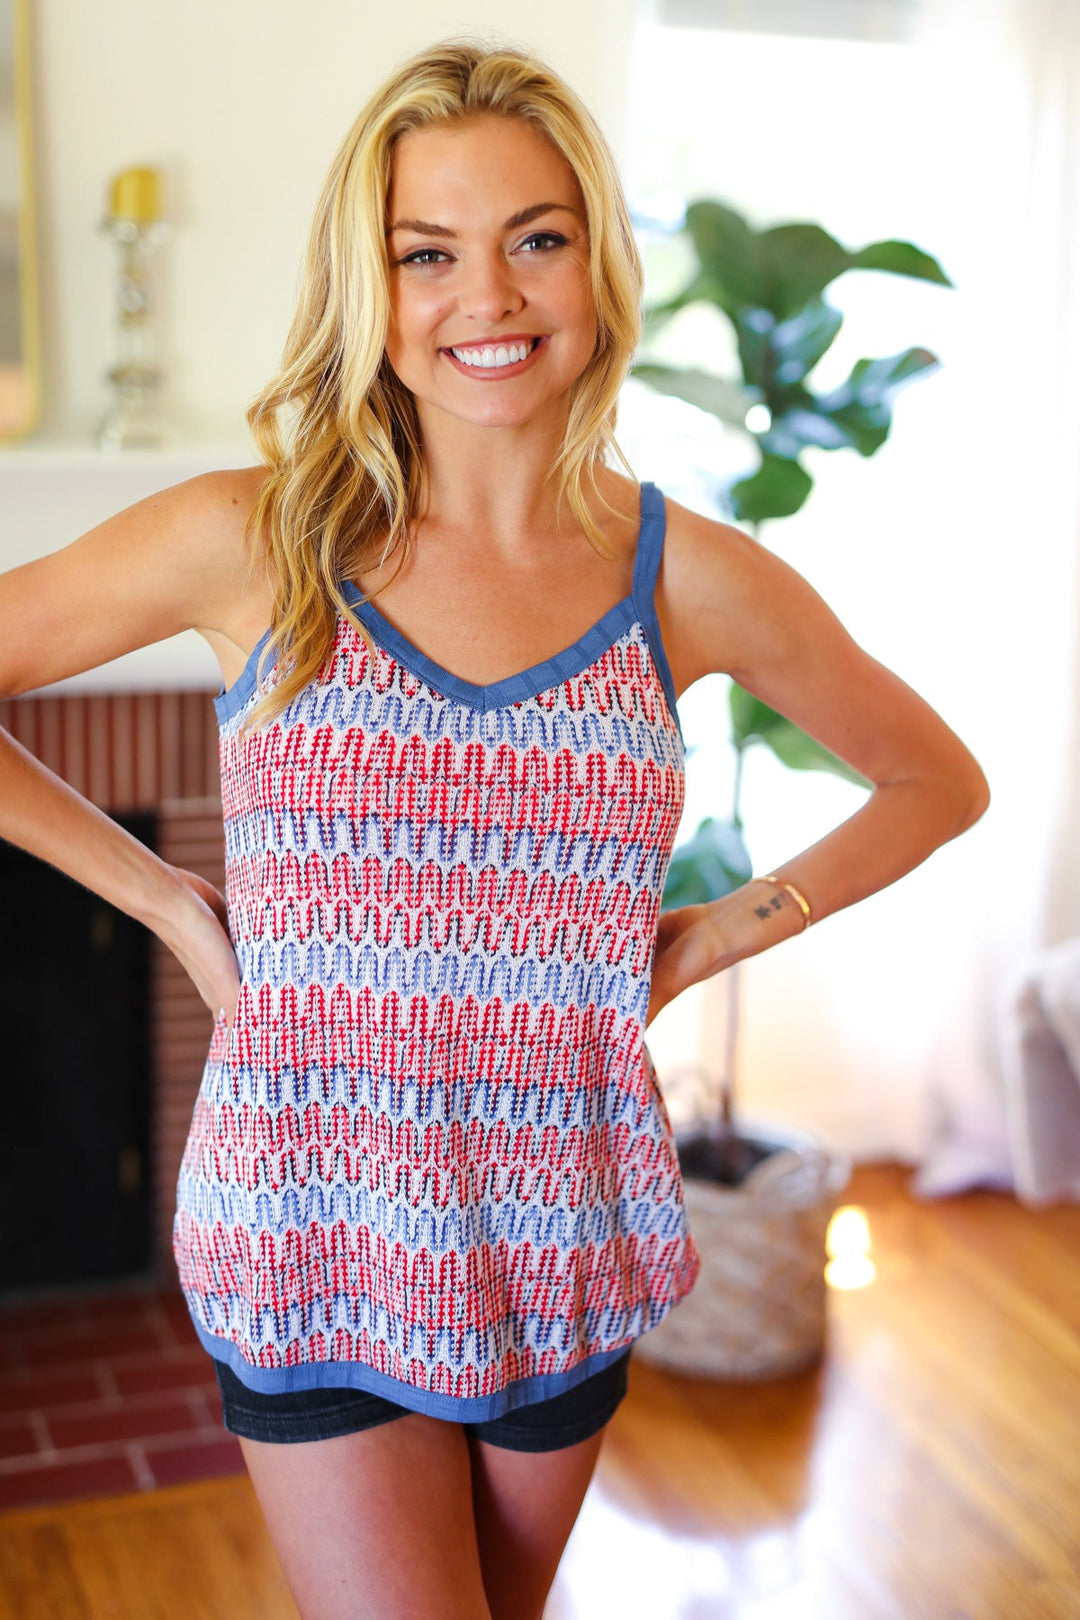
point(135, 419)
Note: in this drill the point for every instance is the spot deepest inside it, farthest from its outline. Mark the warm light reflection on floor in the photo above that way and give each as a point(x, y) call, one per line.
point(853, 1271)
point(617, 1567)
point(848, 1245)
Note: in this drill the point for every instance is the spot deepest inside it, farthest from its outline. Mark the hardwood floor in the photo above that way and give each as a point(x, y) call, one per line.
point(929, 1470)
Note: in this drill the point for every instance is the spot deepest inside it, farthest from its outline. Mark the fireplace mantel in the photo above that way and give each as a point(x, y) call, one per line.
point(52, 492)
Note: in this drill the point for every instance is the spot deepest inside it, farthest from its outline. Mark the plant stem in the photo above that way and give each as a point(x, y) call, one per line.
point(731, 1044)
point(733, 988)
point(736, 790)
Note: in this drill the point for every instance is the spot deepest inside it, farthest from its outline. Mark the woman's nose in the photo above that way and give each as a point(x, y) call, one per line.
point(489, 290)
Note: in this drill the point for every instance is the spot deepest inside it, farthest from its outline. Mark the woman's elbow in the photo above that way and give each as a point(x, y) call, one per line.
point(971, 793)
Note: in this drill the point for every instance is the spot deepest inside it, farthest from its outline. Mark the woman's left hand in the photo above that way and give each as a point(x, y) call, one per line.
point(688, 948)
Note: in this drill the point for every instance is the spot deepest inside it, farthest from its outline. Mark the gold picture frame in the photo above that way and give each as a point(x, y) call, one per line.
point(20, 323)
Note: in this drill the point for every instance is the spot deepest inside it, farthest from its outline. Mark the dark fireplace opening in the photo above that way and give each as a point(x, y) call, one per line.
point(76, 1194)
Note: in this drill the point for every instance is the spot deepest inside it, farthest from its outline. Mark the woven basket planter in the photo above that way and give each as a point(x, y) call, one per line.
point(758, 1309)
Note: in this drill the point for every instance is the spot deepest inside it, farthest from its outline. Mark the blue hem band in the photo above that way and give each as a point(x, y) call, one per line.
point(355, 1375)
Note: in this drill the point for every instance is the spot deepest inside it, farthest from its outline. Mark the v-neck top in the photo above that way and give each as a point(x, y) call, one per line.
point(430, 1157)
point(639, 606)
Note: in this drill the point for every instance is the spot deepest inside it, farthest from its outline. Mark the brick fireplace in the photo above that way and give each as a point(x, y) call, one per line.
point(151, 752)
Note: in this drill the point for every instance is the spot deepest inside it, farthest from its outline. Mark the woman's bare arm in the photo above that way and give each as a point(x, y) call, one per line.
point(727, 604)
point(175, 561)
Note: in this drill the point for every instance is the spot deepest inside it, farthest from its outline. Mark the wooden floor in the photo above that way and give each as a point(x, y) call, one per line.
point(930, 1470)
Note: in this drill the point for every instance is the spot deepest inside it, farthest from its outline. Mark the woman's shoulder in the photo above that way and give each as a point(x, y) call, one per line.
point(715, 583)
point(703, 560)
point(192, 541)
point(205, 518)
point(177, 559)
point(228, 564)
point(693, 534)
point(218, 503)
point(209, 518)
point(706, 562)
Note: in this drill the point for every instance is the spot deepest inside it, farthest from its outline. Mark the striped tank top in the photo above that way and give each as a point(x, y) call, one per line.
point(430, 1158)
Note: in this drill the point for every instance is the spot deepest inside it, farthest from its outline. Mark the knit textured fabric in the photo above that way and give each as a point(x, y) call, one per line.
point(430, 1157)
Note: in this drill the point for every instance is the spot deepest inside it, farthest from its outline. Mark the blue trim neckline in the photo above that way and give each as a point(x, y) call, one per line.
point(528, 683)
point(639, 607)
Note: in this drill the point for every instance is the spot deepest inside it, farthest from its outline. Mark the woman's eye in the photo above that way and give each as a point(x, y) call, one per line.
point(543, 241)
point(424, 256)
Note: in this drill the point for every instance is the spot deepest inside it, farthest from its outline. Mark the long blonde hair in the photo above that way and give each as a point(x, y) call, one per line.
point(336, 428)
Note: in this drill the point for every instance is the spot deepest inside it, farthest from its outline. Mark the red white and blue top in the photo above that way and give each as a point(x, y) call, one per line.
point(430, 1158)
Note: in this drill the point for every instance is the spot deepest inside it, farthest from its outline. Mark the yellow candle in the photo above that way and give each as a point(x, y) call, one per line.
point(136, 194)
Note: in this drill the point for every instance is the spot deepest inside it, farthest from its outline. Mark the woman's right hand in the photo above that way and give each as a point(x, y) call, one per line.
point(198, 936)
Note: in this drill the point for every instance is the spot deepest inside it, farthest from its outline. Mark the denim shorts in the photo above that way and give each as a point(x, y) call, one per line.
point(324, 1414)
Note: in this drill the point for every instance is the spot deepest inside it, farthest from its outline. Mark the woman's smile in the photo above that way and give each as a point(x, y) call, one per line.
point(490, 359)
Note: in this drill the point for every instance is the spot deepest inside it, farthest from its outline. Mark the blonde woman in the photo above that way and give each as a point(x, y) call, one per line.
point(430, 1197)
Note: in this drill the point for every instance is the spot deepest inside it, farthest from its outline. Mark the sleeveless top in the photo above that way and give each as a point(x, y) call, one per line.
point(430, 1158)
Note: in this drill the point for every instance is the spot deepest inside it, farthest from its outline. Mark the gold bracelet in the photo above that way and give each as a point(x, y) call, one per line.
point(796, 894)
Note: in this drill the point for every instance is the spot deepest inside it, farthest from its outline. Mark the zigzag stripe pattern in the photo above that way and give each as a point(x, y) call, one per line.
point(431, 1146)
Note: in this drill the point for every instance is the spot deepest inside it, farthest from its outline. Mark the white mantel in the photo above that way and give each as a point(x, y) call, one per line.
point(52, 492)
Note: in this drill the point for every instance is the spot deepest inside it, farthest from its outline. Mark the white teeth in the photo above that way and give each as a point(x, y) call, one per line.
point(488, 357)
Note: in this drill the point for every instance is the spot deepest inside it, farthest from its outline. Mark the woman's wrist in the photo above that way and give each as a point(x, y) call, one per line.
point(785, 887)
point(168, 905)
point(753, 918)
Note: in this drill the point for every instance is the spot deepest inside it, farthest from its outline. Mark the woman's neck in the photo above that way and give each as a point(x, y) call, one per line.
point(494, 481)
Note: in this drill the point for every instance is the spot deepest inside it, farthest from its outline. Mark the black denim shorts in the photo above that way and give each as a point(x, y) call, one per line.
point(323, 1414)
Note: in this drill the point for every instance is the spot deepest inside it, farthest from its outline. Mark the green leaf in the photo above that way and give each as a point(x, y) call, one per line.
point(781, 269)
point(754, 721)
point(900, 259)
point(777, 489)
point(727, 251)
point(754, 329)
point(728, 400)
point(748, 715)
point(873, 380)
point(799, 342)
point(798, 262)
point(861, 408)
point(709, 865)
point(793, 431)
point(865, 427)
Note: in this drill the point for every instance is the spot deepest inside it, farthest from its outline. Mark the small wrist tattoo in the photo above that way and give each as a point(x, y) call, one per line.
point(776, 900)
point(770, 908)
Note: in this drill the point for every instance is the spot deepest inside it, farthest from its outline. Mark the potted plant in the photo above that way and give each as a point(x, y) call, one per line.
point(759, 1199)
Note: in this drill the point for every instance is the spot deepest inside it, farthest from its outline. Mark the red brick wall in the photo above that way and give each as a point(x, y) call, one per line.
point(147, 751)
point(123, 750)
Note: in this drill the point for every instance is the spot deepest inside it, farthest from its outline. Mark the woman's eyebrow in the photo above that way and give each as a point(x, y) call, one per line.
point(424, 227)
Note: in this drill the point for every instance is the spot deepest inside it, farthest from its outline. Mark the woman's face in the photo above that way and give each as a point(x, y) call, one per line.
point(492, 314)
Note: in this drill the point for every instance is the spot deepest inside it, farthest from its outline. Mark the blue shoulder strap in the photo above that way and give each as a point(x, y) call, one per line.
point(650, 549)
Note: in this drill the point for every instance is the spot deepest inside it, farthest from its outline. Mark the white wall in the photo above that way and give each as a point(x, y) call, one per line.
point(243, 105)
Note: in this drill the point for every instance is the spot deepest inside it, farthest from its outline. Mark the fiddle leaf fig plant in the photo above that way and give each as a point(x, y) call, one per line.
point(770, 286)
